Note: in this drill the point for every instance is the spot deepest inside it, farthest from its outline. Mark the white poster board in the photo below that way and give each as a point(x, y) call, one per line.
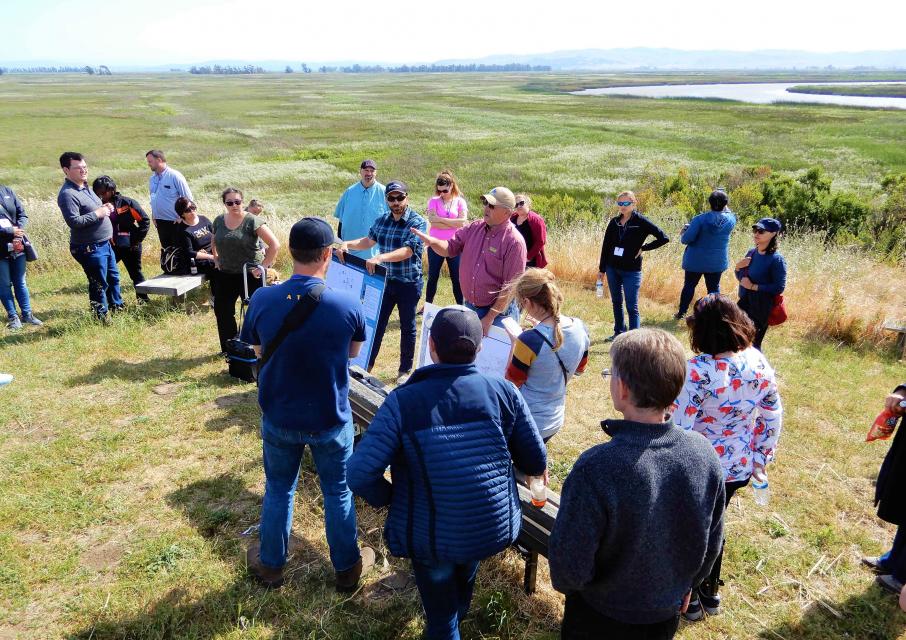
point(493, 358)
point(353, 278)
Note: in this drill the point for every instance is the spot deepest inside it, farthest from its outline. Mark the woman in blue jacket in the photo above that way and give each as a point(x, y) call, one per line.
point(12, 261)
point(761, 275)
point(707, 240)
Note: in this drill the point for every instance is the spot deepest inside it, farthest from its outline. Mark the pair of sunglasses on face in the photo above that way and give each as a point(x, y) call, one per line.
point(396, 198)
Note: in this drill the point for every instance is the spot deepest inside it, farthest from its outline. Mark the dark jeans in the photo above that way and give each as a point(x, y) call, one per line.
point(132, 260)
point(511, 311)
point(711, 585)
point(227, 289)
point(99, 265)
point(12, 279)
point(626, 283)
point(169, 232)
point(283, 449)
point(582, 622)
point(894, 561)
point(757, 306)
point(712, 283)
point(435, 262)
point(405, 296)
point(446, 592)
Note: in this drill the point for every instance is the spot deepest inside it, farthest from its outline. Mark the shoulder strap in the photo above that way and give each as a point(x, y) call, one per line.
point(551, 345)
point(294, 319)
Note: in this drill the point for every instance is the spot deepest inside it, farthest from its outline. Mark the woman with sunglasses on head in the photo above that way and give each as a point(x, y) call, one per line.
point(730, 397)
point(762, 276)
point(447, 211)
point(235, 242)
point(621, 259)
point(533, 230)
point(197, 235)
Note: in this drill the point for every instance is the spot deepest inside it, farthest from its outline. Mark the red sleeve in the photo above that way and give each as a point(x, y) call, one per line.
point(539, 236)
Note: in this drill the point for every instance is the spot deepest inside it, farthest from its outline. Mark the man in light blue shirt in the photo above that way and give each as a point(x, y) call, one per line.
point(166, 186)
point(359, 206)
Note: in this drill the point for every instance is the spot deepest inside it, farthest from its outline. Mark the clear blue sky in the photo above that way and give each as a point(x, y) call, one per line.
point(185, 31)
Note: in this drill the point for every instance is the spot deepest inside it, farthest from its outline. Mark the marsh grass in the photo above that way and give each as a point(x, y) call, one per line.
point(131, 461)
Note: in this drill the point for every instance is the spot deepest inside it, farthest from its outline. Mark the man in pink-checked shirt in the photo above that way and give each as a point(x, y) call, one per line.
point(493, 254)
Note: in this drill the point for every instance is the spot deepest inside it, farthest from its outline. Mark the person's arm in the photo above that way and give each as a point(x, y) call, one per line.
point(513, 267)
point(142, 221)
point(440, 247)
point(187, 247)
point(606, 249)
point(525, 350)
point(182, 187)
point(539, 237)
point(69, 207)
point(741, 269)
point(525, 444)
point(338, 210)
point(778, 277)
point(577, 532)
point(715, 534)
point(20, 218)
point(374, 453)
point(358, 336)
point(768, 423)
point(273, 245)
point(684, 410)
point(660, 238)
point(690, 234)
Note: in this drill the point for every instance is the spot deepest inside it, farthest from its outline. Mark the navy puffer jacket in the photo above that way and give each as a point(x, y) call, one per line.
point(450, 436)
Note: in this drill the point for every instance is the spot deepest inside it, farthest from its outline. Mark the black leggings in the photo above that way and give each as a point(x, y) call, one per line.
point(711, 585)
point(227, 289)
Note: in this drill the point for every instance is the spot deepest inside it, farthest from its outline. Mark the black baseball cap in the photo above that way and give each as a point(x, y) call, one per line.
point(311, 233)
point(368, 164)
point(457, 334)
point(768, 224)
point(396, 185)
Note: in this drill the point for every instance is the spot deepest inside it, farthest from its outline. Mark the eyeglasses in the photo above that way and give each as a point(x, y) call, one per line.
point(758, 231)
point(443, 191)
point(520, 203)
point(192, 208)
point(232, 203)
point(624, 203)
point(606, 373)
point(396, 198)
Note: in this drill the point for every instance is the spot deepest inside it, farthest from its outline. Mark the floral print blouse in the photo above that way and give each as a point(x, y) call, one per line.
point(735, 404)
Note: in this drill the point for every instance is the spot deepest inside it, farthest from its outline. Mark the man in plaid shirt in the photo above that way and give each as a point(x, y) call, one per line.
point(401, 253)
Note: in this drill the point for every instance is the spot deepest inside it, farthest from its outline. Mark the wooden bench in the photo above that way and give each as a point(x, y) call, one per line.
point(169, 285)
point(899, 326)
point(367, 394)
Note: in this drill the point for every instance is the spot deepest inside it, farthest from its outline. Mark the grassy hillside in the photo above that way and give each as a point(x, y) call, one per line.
point(877, 90)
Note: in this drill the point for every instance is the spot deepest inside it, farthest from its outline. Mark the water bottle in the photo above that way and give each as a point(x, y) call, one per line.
point(760, 488)
point(539, 492)
point(599, 288)
point(193, 269)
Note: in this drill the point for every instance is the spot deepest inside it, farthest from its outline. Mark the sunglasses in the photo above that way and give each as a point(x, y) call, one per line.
point(521, 203)
point(396, 198)
point(439, 190)
point(624, 203)
point(232, 203)
point(488, 204)
point(758, 231)
point(606, 373)
point(190, 209)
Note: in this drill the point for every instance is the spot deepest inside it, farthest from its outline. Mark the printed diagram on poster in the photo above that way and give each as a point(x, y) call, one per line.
point(495, 347)
point(353, 277)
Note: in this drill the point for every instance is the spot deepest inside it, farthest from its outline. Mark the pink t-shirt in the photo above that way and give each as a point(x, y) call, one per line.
point(456, 209)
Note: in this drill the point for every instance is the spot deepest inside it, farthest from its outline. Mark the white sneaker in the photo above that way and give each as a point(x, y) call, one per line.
point(5, 379)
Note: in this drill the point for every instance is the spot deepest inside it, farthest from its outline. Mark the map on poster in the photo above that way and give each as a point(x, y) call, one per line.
point(495, 348)
point(352, 277)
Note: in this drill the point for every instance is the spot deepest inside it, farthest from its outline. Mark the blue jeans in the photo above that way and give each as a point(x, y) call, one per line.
point(435, 263)
point(692, 278)
point(405, 296)
point(12, 278)
point(894, 561)
point(283, 449)
point(511, 311)
point(99, 264)
point(625, 283)
point(446, 592)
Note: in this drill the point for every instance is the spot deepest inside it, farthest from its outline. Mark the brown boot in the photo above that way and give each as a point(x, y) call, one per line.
point(269, 577)
point(348, 580)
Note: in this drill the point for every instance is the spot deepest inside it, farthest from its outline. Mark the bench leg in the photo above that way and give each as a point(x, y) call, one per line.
point(531, 572)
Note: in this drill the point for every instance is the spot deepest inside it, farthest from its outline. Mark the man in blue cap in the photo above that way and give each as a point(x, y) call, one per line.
point(451, 436)
point(359, 206)
point(303, 390)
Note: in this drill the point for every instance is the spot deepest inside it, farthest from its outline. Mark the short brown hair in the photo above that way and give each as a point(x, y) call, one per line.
point(717, 325)
point(652, 364)
point(157, 153)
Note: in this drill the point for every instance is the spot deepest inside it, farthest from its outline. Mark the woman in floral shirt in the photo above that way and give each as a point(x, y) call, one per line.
point(730, 397)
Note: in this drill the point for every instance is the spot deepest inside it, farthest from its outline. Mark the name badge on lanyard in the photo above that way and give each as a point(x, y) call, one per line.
point(618, 251)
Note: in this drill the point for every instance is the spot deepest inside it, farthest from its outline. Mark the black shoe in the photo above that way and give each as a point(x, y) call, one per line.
point(694, 611)
point(711, 604)
point(679, 315)
point(611, 338)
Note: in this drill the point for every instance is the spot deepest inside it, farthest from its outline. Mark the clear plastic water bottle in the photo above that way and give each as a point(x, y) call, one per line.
point(760, 488)
point(539, 492)
point(599, 288)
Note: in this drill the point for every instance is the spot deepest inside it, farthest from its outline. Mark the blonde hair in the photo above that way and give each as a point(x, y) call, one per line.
point(527, 198)
point(447, 175)
point(631, 194)
point(540, 286)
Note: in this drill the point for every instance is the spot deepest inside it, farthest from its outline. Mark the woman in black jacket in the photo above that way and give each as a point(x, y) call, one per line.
point(621, 259)
point(891, 501)
point(12, 261)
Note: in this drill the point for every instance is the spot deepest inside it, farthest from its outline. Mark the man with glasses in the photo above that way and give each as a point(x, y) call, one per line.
point(130, 226)
point(90, 232)
point(396, 235)
point(493, 255)
point(359, 206)
point(166, 185)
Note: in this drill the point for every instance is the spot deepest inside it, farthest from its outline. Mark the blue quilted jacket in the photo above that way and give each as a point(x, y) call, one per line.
point(450, 436)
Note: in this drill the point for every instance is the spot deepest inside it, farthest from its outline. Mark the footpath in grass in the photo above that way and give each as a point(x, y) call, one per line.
point(133, 468)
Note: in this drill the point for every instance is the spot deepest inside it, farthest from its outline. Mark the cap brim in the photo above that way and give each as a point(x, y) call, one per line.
point(489, 198)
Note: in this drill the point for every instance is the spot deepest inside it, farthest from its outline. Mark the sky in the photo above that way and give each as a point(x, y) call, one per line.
point(152, 32)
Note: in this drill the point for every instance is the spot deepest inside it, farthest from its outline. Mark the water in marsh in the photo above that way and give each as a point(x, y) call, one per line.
point(759, 93)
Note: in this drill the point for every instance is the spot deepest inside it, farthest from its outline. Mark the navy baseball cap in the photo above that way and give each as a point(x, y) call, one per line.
point(457, 333)
point(396, 185)
point(311, 233)
point(368, 164)
point(768, 224)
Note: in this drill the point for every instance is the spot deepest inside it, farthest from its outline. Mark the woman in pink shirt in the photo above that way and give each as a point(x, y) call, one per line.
point(446, 212)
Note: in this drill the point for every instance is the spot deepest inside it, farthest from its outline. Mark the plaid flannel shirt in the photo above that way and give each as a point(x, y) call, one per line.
point(391, 235)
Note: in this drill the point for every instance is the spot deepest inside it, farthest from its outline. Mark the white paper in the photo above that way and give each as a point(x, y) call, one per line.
point(4, 223)
point(424, 353)
point(343, 278)
point(513, 329)
point(496, 347)
point(372, 302)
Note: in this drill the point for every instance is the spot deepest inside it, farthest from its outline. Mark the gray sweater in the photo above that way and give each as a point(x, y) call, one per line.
point(78, 207)
point(640, 521)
